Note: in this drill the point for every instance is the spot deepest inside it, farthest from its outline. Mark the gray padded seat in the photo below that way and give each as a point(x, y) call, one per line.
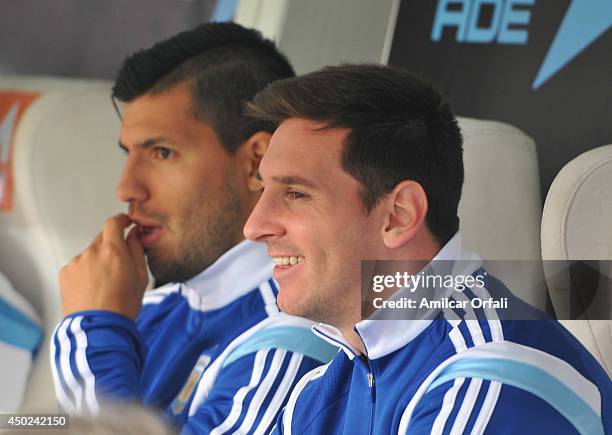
point(577, 225)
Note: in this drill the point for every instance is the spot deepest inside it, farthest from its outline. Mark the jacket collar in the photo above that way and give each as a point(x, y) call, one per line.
point(238, 271)
point(382, 337)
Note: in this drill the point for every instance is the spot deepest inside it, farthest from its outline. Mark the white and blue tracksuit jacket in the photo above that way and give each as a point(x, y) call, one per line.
point(453, 377)
point(214, 352)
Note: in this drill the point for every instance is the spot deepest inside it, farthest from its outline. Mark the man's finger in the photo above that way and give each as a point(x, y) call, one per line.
point(137, 251)
point(114, 228)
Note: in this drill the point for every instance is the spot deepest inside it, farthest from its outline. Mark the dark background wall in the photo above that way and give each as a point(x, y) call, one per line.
point(544, 66)
point(87, 38)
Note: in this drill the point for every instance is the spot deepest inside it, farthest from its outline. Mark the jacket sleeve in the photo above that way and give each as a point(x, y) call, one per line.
point(96, 354)
point(250, 393)
point(471, 405)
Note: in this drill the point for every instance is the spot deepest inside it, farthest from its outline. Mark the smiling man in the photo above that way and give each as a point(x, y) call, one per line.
point(211, 347)
point(367, 164)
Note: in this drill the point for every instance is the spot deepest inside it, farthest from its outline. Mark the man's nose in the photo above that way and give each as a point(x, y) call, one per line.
point(265, 221)
point(132, 185)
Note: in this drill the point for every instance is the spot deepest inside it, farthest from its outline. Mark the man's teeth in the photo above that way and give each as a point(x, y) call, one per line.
point(284, 261)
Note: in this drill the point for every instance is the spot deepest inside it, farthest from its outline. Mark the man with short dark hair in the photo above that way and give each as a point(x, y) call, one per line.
point(211, 347)
point(366, 163)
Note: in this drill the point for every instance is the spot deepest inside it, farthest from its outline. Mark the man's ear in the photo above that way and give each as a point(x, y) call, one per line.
point(251, 151)
point(405, 211)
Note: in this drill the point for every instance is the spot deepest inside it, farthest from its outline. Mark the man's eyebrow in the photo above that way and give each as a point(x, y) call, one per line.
point(295, 180)
point(146, 144)
point(288, 180)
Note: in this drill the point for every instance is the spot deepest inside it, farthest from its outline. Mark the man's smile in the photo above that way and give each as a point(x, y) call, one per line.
point(287, 260)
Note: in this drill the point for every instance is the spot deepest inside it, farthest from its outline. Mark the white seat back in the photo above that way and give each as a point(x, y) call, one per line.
point(66, 163)
point(501, 206)
point(577, 225)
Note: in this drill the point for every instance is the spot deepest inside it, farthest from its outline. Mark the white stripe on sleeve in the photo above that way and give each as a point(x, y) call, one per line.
point(60, 393)
point(262, 391)
point(83, 366)
point(447, 406)
point(490, 401)
point(290, 408)
point(236, 410)
point(281, 393)
point(269, 298)
point(65, 350)
point(487, 408)
point(448, 402)
point(469, 400)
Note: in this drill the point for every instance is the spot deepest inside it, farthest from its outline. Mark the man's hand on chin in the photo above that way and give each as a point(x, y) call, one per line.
point(111, 274)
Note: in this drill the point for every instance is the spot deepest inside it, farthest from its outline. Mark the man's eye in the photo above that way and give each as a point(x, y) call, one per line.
point(292, 194)
point(163, 153)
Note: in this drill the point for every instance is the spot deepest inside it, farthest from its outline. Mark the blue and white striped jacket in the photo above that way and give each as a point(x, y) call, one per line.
point(452, 377)
point(214, 352)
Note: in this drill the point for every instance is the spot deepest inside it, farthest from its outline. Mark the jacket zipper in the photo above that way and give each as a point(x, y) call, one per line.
point(372, 386)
